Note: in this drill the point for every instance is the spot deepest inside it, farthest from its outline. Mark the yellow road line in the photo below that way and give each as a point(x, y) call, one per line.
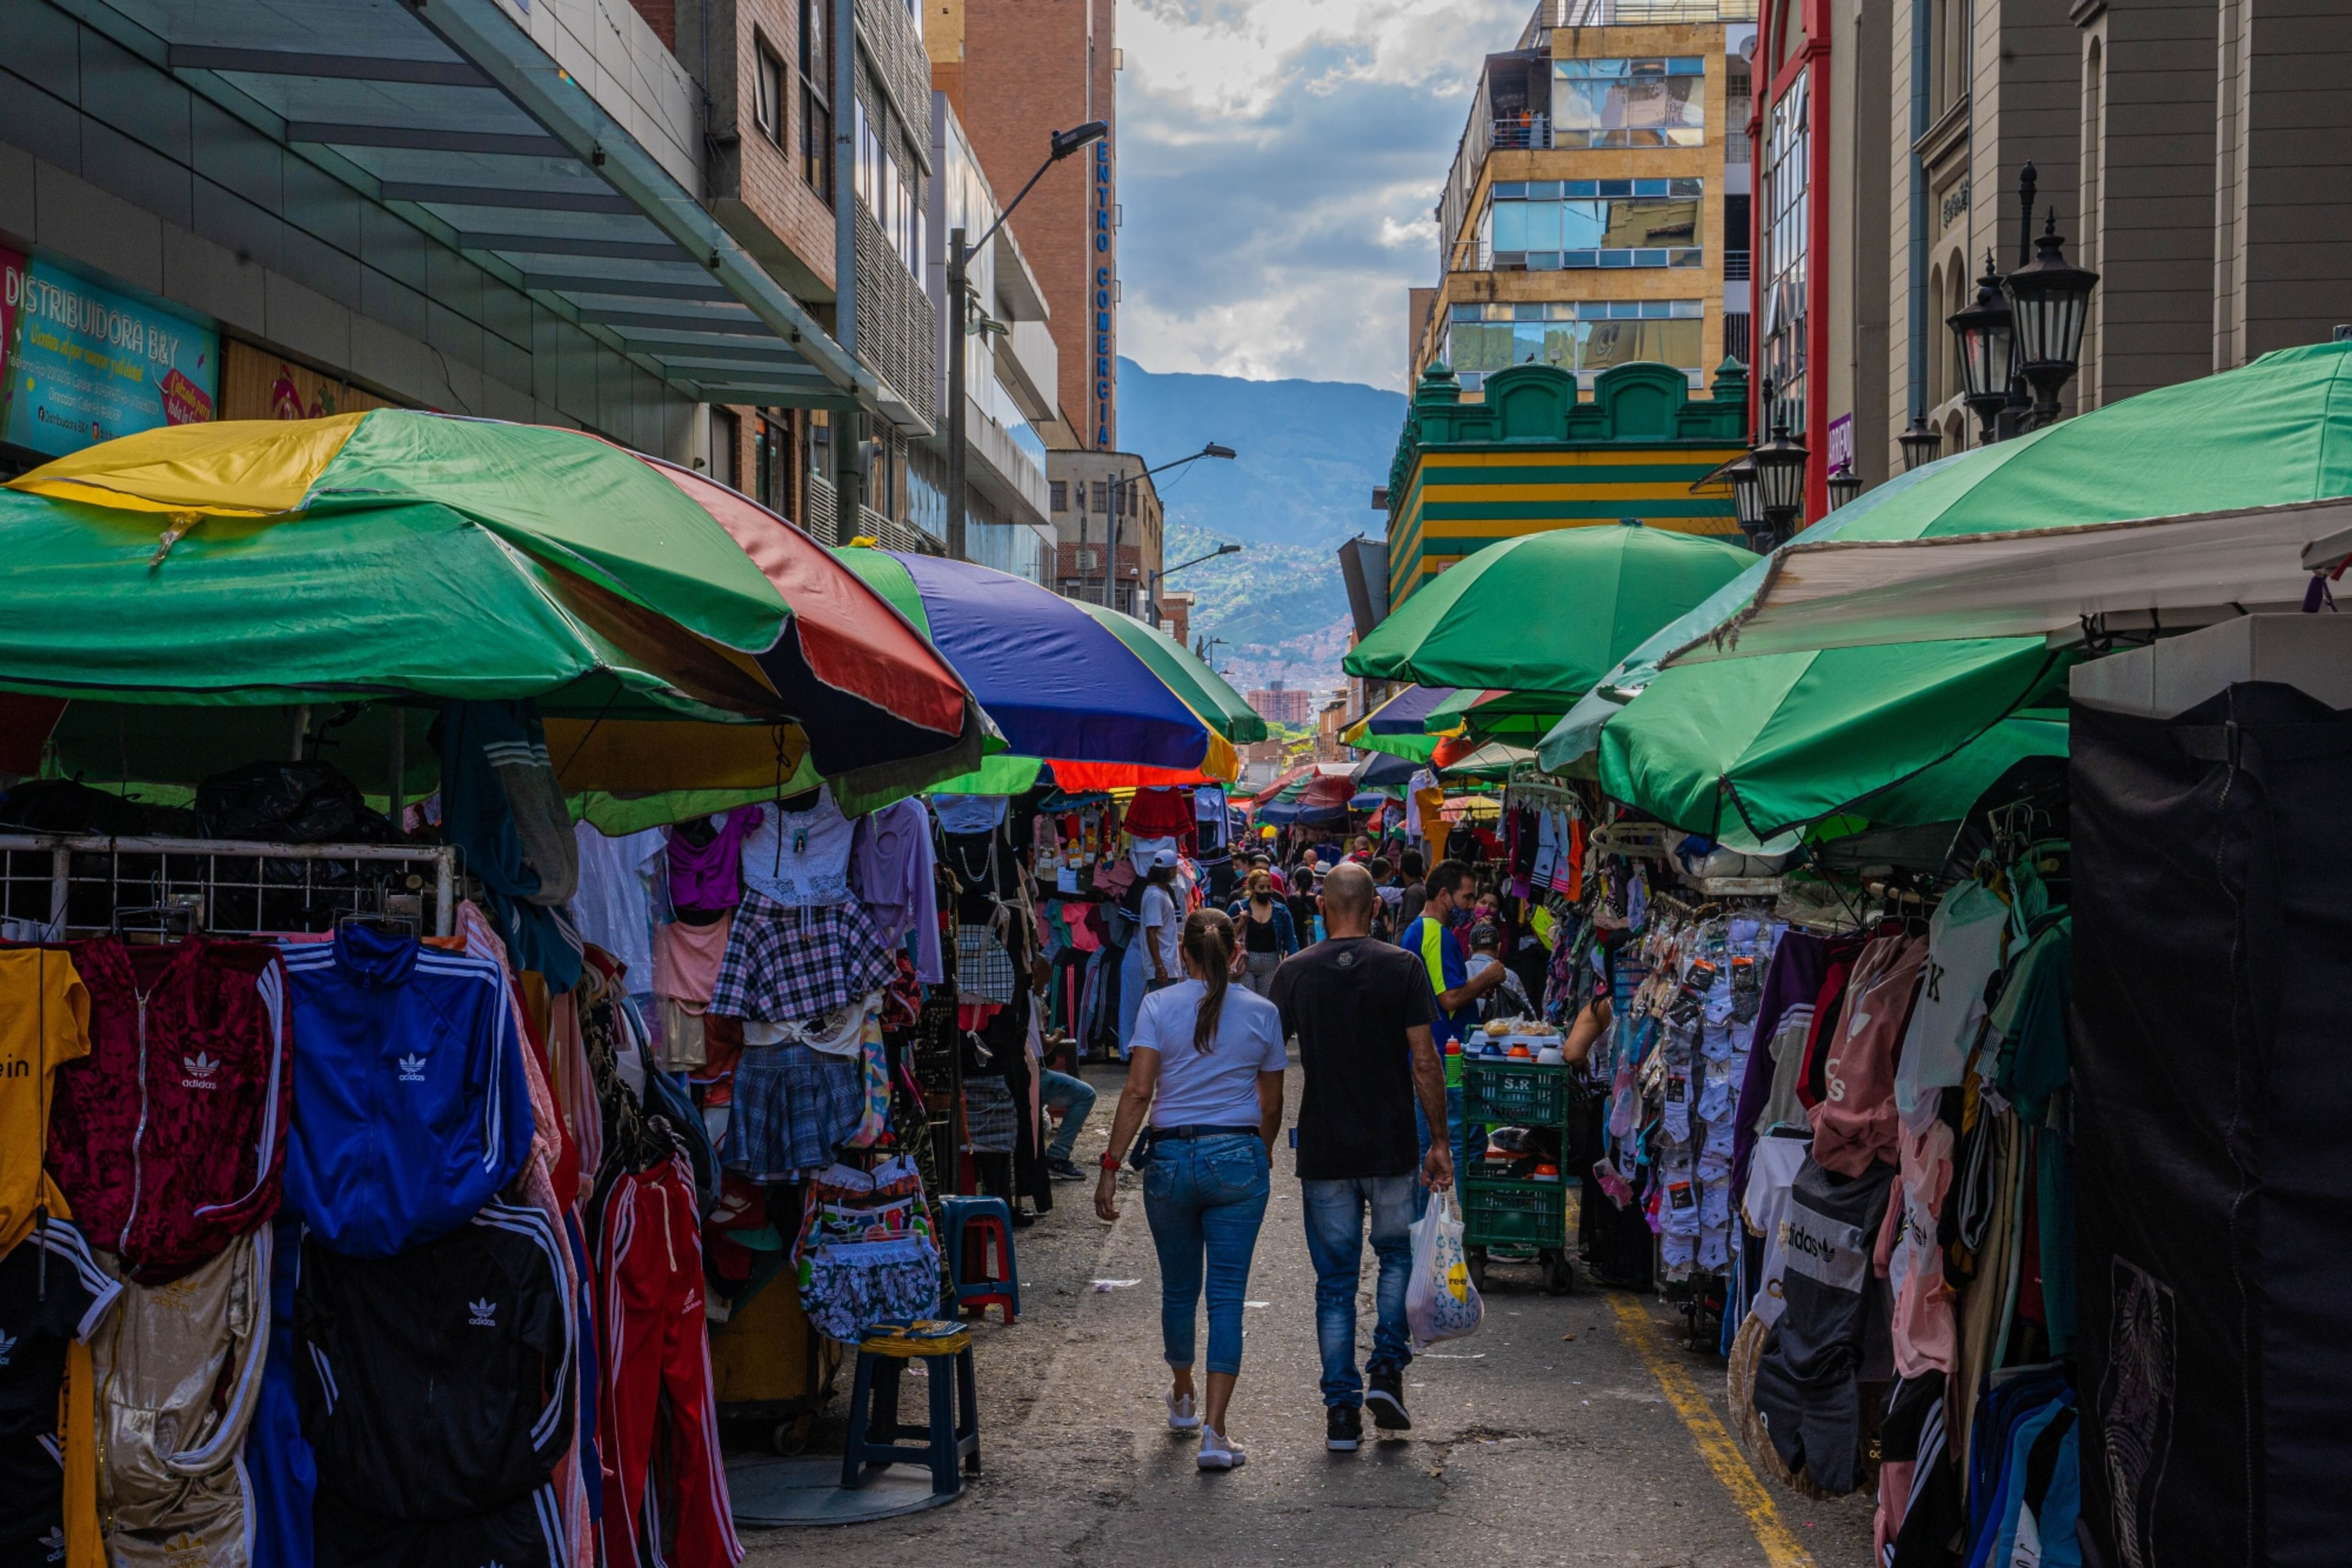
point(1716, 1446)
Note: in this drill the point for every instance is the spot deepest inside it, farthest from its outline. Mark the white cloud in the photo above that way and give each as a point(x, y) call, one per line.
point(1278, 164)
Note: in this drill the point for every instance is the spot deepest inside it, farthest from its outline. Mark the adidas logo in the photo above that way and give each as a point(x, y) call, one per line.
point(485, 1316)
point(200, 1068)
point(412, 1070)
point(8, 1348)
point(55, 1543)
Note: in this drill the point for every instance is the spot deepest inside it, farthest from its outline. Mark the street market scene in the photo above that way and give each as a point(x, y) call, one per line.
point(708, 858)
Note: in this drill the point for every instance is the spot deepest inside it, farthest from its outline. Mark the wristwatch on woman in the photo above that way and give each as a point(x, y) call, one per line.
point(1110, 1162)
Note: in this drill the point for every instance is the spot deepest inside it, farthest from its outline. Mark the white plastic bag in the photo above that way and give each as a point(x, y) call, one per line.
point(1440, 1302)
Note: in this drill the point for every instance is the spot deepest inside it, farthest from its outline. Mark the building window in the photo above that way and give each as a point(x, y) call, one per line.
point(724, 431)
point(1630, 102)
point(768, 102)
point(816, 98)
point(1783, 299)
point(1587, 336)
point(1102, 497)
point(1546, 226)
point(769, 439)
point(886, 190)
point(1060, 490)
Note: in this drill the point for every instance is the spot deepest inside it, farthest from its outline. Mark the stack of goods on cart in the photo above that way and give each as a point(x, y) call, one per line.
point(1904, 1143)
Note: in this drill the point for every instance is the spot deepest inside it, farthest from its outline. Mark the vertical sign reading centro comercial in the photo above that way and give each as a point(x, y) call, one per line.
point(1102, 293)
point(85, 365)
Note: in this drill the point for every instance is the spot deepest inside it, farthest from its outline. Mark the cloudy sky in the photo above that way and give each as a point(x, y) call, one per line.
point(1278, 162)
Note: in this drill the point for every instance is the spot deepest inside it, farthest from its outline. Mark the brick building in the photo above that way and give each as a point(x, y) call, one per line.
point(1015, 71)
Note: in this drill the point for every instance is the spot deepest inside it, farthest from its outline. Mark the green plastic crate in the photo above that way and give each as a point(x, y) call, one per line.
point(1513, 1214)
point(1515, 1092)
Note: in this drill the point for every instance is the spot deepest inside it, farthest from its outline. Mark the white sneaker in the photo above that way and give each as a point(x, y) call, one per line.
point(1183, 1415)
point(1216, 1453)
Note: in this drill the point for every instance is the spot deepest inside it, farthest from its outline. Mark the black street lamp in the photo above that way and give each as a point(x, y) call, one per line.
point(1110, 523)
point(1920, 442)
point(1983, 331)
point(1747, 501)
point(960, 253)
point(1844, 484)
point(2050, 304)
point(1780, 466)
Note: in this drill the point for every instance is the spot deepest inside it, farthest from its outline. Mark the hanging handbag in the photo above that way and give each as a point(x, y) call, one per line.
point(873, 1119)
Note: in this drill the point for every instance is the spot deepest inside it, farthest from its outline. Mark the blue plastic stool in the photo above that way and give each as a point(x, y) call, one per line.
point(977, 1289)
point(950, 1441)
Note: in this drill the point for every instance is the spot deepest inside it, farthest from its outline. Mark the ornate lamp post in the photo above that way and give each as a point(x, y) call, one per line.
point(1920, 442)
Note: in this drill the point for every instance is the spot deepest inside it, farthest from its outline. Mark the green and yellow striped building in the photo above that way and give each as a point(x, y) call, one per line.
point(1534, 455)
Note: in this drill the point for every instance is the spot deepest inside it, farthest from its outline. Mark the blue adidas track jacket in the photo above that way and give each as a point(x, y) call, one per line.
point(411, 1106)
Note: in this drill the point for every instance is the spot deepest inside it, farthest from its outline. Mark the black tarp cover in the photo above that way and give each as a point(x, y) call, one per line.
point(2213, 1120)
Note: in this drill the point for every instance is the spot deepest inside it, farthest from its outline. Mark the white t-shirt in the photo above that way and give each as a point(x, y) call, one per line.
point(1963, 949)
point(1160, 915)
point(1217, 1088)
point(613, 904)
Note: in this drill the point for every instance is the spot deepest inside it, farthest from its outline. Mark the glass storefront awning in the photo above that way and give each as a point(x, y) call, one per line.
point(453, 119)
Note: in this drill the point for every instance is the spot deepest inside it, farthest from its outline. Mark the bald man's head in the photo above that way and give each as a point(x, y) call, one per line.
point(1348, 896)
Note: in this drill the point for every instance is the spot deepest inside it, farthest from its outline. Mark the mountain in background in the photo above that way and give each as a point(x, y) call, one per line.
point(1310, 453)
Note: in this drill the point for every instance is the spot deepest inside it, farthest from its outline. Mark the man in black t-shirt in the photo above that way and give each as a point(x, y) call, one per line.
point(1361, 1011)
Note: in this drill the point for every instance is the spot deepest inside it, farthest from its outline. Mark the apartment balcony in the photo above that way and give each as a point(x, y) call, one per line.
point(1523, 133)
point(1734, 266)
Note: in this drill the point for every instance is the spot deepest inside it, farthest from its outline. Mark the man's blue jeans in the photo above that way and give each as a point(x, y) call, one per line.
point(1075, 1097)
point(1336, 1214)
point(1205, 1198)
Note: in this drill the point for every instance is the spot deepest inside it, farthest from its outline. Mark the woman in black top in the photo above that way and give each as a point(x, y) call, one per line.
point(1267, 934)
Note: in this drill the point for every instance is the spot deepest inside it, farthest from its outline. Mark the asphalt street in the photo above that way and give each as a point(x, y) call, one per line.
point(1573, 1429)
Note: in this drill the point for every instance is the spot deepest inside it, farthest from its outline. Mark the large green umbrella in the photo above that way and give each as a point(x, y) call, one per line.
point(1745, 751)
point(343, 604)
point(1546, 612)
point(2206, 498)
point(1577, 734)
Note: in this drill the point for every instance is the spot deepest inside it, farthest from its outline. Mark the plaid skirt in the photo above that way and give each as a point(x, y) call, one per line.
point(783, 964)
point(991, 1123)
point(792, 1108)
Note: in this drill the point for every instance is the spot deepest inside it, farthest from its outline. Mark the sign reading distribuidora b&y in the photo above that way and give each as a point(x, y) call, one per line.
point(85, 363)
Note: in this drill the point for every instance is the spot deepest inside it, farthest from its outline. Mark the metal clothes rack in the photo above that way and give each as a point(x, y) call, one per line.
point(64, 883)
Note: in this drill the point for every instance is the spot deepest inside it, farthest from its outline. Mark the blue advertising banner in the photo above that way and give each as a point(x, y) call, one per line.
point(86, 364)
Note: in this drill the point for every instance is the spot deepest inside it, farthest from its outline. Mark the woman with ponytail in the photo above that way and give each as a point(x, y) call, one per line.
point(1205, 1064)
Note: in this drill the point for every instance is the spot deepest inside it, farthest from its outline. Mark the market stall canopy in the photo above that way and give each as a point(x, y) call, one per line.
point(390, 600)
point(559, 495)
point(1519, 715)
point(1381, 770)
point(1494, 761)
point(2179, 506)
point(1403, 714)
point(1546, 612)
point(1059, 683)
point(865, 688)
point(1745, 752)
point(1576, 736)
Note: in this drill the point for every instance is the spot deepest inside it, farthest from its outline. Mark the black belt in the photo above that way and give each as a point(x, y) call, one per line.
point(1186, 1134)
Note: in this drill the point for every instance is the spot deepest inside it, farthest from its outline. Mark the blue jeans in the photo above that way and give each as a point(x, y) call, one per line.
point(1205, 1198)
point(1336, 1212)
point(1073, 1096)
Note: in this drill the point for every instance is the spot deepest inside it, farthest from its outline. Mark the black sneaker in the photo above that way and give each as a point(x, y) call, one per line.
point(1063, 1171)
point(1343, 1428)
point(1386, 1398)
